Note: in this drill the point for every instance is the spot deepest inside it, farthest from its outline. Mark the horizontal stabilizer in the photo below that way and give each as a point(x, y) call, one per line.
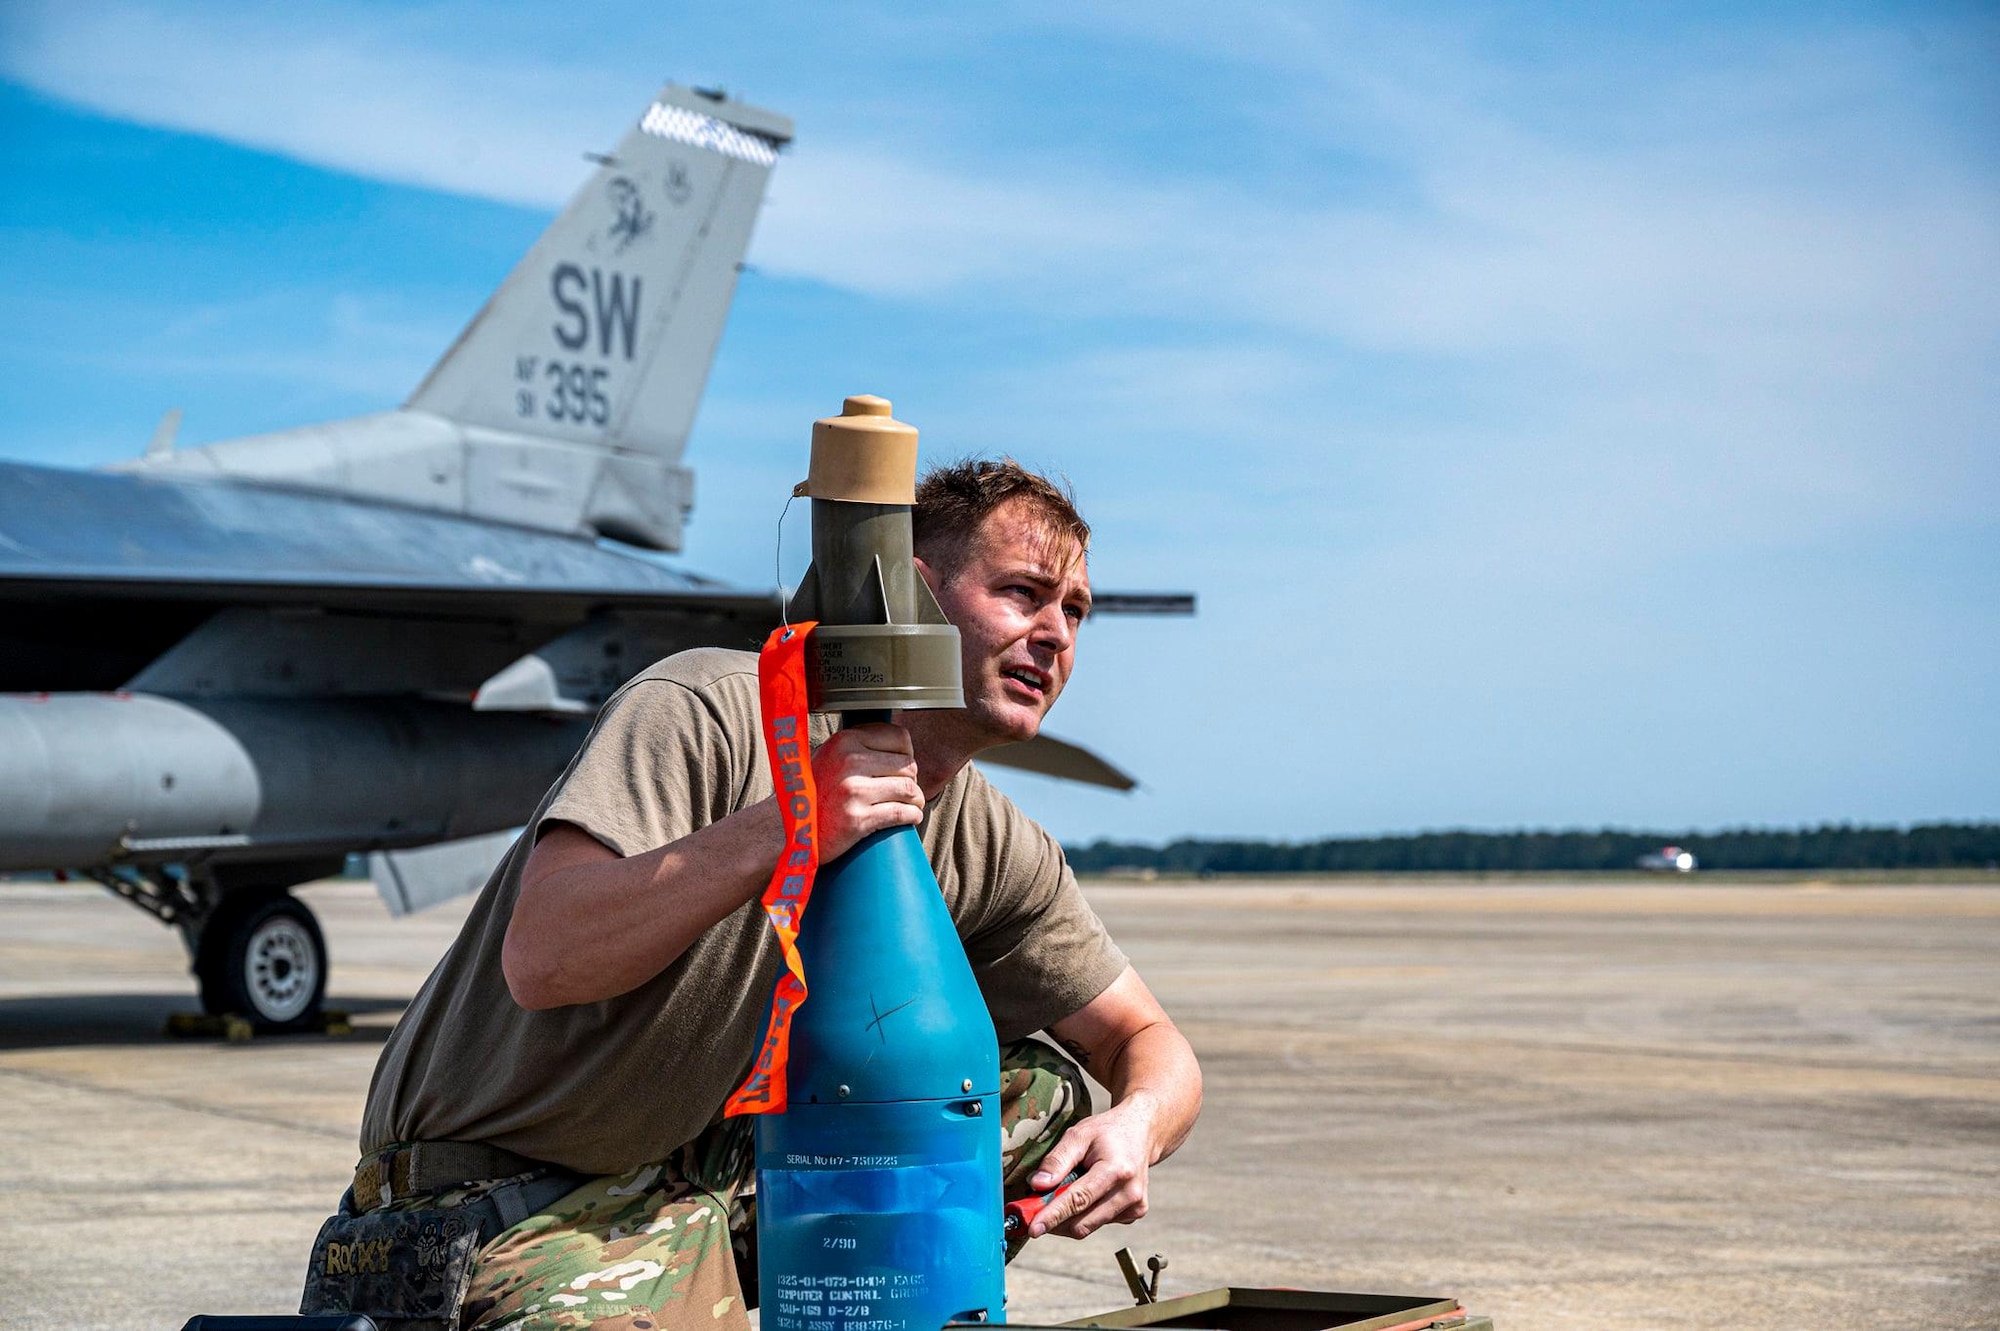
point(1142, 603)
point(1046, 755)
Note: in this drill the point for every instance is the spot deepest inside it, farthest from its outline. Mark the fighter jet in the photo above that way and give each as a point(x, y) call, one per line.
point(225, 669)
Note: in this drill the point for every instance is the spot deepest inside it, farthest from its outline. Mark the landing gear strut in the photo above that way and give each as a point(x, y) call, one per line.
point(257, 950)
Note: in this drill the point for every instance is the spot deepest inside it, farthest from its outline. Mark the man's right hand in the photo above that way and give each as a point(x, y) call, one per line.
point(867, 779)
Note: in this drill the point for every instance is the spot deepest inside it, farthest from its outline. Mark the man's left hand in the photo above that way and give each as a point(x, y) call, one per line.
point(1114, 1150)
point(1124, 1039)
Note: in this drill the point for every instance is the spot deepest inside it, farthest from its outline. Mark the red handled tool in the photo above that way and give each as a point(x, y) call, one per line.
point(1022, 1213)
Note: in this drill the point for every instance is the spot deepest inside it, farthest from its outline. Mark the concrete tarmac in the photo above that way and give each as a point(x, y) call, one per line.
point(1609, 1104)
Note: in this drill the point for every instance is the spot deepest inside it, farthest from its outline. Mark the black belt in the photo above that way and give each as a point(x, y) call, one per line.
point(408, 1169)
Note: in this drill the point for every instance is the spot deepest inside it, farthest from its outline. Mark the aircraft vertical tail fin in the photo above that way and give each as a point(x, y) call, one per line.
point(603, 334)
point(566, 402)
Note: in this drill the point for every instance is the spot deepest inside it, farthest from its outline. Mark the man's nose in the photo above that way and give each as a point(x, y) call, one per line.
point(1054, 628)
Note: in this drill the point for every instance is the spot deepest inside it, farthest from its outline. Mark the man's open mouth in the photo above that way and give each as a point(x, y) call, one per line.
point(1034, 679)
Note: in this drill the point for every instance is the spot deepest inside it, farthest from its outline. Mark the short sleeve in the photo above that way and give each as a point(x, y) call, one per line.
point(658, 765)
point(1039, 951)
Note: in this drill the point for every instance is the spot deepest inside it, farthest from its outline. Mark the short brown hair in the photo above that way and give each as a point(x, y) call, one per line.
point(954, 499)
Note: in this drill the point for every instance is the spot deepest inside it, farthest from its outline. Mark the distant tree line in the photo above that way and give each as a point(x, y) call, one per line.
point(1930, 846)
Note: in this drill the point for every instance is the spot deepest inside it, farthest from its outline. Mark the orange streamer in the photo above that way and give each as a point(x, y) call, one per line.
point(781, 687)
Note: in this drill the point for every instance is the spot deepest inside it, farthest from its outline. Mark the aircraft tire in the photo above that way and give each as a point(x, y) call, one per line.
point(263, 957)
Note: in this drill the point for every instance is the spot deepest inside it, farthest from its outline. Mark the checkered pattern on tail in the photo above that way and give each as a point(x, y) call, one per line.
point(700, 131)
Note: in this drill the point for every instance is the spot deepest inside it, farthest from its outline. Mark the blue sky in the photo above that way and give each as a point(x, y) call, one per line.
point(1567, 416)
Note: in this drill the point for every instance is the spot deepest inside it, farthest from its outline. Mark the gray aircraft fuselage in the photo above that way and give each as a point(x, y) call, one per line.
point(245, 674)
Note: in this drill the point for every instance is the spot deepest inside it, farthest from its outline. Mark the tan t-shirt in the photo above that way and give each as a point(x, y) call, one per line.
point(608, 1086)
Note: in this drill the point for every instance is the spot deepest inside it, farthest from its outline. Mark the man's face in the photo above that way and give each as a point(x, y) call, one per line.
point(1017, 601)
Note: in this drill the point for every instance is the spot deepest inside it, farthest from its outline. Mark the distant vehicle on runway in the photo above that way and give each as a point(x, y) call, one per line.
point(225, 669)
point(1669, 859)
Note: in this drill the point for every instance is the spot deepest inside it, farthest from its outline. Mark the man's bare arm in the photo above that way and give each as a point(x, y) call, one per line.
point(590, 924)
point(1125, 1039)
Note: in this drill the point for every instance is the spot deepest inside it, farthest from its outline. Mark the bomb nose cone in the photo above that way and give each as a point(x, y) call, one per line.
point(864, 455)
point(882, 642)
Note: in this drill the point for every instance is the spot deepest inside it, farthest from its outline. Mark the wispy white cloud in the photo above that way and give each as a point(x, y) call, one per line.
point(1520, 351)
point(1697, 289)
point(329, 94)
point(1519, 239)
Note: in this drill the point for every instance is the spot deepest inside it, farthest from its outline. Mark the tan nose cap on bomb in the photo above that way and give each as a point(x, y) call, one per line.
point(864, 455)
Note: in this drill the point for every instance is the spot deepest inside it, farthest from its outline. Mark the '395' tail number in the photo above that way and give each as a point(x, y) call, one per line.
point(574, 393)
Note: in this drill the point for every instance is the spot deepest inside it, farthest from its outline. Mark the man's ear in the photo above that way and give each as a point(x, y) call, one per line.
point(930, 578)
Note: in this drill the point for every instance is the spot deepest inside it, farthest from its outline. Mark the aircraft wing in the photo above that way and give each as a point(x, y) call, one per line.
point(67, 533)
point(214, 589)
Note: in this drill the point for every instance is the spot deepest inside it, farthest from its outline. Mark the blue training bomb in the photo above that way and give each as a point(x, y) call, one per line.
point(878, 1187)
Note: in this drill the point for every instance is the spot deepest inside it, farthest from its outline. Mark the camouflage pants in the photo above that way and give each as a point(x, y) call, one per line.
point(658, 1249)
